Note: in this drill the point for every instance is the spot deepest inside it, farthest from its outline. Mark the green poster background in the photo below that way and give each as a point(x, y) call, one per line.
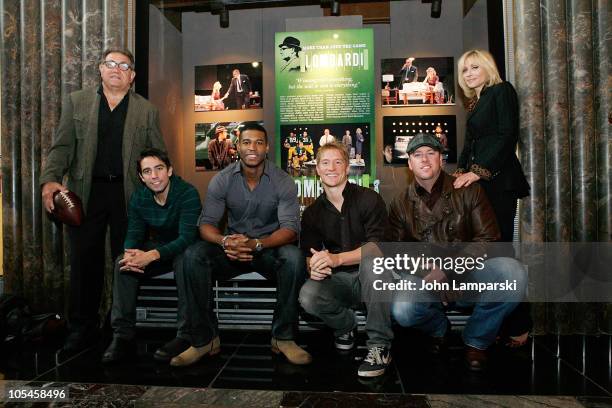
point(326, 77)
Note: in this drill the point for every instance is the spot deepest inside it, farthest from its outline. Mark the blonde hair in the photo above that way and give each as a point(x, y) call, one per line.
point(217, 86)
point(333, 146)
point(485, 60)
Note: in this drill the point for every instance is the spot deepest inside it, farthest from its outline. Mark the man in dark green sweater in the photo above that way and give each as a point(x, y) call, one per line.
point(162, 223)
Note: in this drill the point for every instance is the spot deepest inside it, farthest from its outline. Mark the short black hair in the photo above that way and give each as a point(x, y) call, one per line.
point(152, 152)
point(253, 126)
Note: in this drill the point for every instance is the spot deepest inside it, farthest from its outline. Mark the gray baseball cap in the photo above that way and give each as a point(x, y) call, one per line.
point(424, 139)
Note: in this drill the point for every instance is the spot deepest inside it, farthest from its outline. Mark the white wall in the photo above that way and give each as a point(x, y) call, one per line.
point(475, 27)
point(165, 79)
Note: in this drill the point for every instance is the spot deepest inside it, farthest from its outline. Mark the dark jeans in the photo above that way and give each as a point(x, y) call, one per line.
point(106, 208)
point(332, 300)
point(204, 262)
point(125, 293)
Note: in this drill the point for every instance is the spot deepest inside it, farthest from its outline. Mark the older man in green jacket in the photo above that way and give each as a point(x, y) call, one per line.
point(101, 132)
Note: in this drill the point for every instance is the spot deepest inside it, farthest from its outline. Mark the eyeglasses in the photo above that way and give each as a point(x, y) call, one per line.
point(123, 66)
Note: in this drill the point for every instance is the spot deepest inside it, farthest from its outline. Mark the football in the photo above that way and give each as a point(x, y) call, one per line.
point(68, 208)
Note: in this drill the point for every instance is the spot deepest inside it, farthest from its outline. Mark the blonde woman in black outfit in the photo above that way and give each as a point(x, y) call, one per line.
point(489, 155)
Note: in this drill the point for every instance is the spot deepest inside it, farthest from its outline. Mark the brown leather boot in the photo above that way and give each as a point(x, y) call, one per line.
point(294, 353)
point(194, 354)
point(476, 359)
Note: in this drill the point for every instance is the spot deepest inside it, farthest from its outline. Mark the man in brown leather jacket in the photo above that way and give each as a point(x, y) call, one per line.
point(431, 210)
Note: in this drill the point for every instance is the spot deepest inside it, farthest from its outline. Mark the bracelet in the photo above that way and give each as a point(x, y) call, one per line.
point(225, 238)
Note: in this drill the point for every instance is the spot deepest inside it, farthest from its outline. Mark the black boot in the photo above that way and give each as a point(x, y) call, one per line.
point(119, 350)
point(171, 349)
point(80, 338)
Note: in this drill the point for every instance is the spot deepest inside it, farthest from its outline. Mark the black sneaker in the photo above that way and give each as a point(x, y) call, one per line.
point(346, 341)
point(376, 362)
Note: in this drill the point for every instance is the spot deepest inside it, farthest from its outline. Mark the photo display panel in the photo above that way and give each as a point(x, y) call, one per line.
point(399, 130)
point(228, 87)
point(324, 92)
point(417, 81)
point(216, 144)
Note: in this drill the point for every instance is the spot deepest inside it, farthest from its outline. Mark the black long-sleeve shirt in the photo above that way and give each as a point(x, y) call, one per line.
point(363, 219)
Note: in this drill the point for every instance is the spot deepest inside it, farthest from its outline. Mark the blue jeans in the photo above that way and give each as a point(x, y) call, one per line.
point(488, 314)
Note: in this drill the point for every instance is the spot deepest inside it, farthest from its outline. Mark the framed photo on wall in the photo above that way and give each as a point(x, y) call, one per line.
point(417, 81)
point(300, 143)
point(399, 130)
point(215, 144)
point(228, 87)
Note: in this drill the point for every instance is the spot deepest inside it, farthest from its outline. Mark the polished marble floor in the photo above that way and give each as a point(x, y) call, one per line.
point(568, 370)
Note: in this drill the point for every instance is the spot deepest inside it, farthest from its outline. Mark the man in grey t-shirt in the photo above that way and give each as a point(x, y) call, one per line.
point(263, 223)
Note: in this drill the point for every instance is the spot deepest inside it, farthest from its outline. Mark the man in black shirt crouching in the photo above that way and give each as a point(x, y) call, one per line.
point(334, 229)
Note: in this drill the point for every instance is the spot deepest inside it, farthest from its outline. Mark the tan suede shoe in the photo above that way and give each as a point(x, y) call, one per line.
point(294, 353)
point(194, 354)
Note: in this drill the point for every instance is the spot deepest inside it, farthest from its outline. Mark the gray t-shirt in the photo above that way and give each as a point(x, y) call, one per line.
point(272, 205)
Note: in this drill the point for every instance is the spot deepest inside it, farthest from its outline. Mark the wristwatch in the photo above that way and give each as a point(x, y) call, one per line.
point(258, 245)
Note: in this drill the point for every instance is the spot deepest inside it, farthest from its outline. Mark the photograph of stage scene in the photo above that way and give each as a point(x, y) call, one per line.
point(417, 81)
point(300, 143)
point(215, 145)
point(228, 87)
point(399, 131)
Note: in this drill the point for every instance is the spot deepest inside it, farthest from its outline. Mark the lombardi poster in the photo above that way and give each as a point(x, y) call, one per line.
point(324, 92)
